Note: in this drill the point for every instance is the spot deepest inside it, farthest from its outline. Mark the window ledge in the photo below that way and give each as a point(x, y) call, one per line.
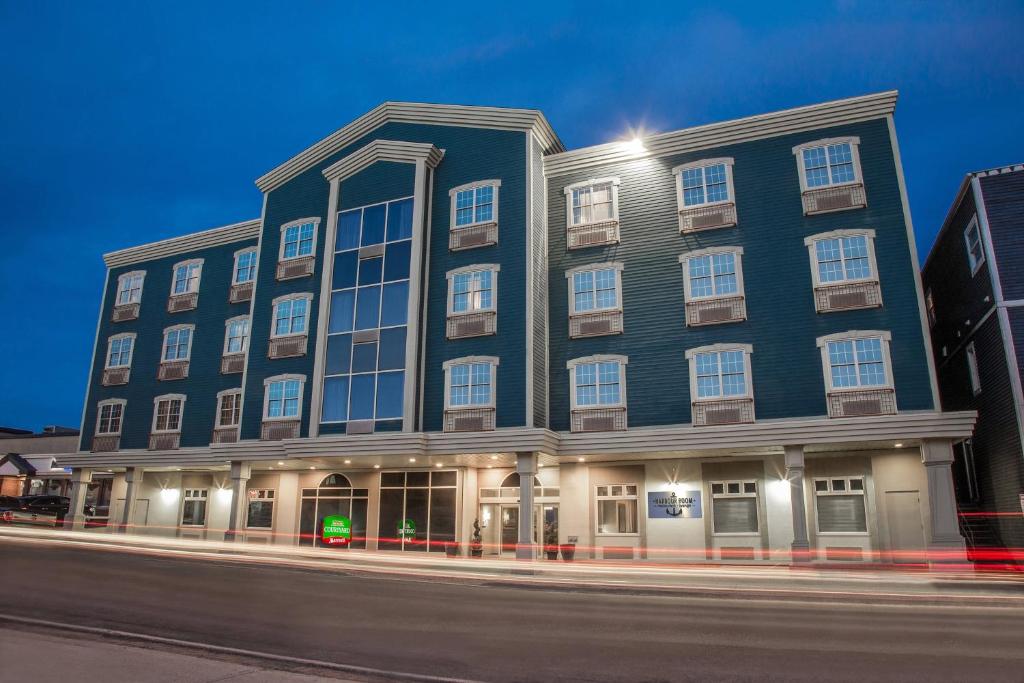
point(861, 402)
point(475, 324)
point(595, 323)
point(717, 310)
point(471, 236)
point(592, 234)
point(232, 363)
point(834, 198)
point(288, 346)
point(472, 419)
point(290, 269)
point(845, 296)
point(124, 312)
point(611, 419)
point(707, 217)
point(277, 429)
point(172, 369)
point(240, 292)
point(115, 376)
point(164, 441)
point(723, 411)
point(105, 443)
point(178, 303)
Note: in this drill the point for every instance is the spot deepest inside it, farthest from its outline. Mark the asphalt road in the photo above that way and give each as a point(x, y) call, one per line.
point(499, 633)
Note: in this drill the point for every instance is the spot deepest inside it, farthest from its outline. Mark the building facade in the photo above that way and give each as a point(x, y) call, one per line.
point(705, 344)
point(974, 279)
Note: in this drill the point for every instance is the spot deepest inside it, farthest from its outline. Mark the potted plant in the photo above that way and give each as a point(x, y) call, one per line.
point(551, 541)
point(451, 548)
point(568, 551)
point(476, 544)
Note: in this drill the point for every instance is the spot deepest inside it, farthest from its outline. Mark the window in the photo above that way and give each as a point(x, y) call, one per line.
point(972, 368)
point(595, 288)
point(840, 505)
point(734, 507)
point(290, 315)
point(109, 417)
point(842, 256)
point(119, 350)
point(828, 163)
point(177, 343)
point(721, 374)
point(470, 382)
point(186, 277)
point(472, 290)
point(261, 509)
point(245, 266)
point(236, 335)
point(858, 362)
point(929, 303)
point(475, 203)
point(229, 408)
point(283, 399)
point(705, 183)
point(598, 382)
point(975, 249)
point(129, 288)
point(617, 509)
point(595, 201)
point(298, 239)
point(193, 511)
point(167, 413)
point(713, 273)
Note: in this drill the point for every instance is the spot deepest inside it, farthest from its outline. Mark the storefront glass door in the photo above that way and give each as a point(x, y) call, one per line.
point(335, 496)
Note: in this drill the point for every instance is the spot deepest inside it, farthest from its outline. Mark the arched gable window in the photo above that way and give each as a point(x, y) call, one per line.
point(512, 480)
point(335, 481)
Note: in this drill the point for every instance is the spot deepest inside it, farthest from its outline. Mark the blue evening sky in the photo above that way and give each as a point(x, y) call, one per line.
point(127, 122)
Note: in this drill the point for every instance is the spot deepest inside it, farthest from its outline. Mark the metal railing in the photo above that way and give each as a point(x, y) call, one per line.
point(598, 420)
point(712, 311)
point(723, 412)
point(861, 402)
point(480, 235)
point(469, 420)
point(471, 324)
point(595, 324)
point(845, 296)
point(707, 217)
point(834, 199)
point(592, 234)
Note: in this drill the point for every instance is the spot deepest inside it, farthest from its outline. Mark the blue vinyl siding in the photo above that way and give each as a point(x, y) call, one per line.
point(1004, 204)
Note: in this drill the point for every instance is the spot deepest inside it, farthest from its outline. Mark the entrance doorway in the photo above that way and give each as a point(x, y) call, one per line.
point(906, 531)
point(334, 496)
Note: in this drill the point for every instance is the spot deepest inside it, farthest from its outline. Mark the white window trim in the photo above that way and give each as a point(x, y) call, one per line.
point(975, 265)
point(568, 189)
point(199, 277)
point(468, 360)
point(691, 358)
point(617, 266)
point(812, 242)
point(452, 193)
point(131, 354)
point(854, 142)
point(238, 254)
point(315, 220)
point(273, 314)
point(624, 496)
point(703, 163)
point(220, 403)
point(862, 493)
point(206, 511)
point(266, 397)
point(684, 260)
point(191, 338)
point(127, 276)
point(181, 415)
point(826, 366)
point(972, 368)
point(598, 358)
point(99, 413)
point(450, 277)
point(245, 344)
point(267, 499)
point(725, 487)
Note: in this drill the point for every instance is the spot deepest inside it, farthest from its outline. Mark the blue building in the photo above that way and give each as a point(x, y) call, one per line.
point(974, 280)
point(708, 343)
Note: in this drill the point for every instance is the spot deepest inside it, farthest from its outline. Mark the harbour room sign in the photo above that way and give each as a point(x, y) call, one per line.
point(670, 505)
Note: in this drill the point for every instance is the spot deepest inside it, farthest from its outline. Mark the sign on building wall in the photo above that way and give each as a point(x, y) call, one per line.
point(669, 505)
point(337, 530)
point(407, 529)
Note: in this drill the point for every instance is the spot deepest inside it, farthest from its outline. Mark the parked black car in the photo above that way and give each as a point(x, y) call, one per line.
point(37, 509)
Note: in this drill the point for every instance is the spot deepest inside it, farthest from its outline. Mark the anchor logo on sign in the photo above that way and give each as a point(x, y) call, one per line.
point(675, 510)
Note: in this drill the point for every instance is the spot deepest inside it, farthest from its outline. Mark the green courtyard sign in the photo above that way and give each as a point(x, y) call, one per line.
point(337, 530)
point(407, 529)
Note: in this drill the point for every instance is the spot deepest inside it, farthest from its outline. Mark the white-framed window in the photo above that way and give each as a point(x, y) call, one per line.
point(291, 315)
point(186, 276)
point(120, 349)
point(260, 513)
point(592, 201)
point(857, 360)
point(282, 397)
point(469, 382)
point(714, 273)
point(840, 505)
point(720, 372)
point(734, 509)
point(596, 287)
point(473, 289)
point(177, 343)
point(110, 416)
point(167, 413)
point(972, 368)
point(617, 509)
point(929, 304)
point(975, 248)
point(245, 266)
point(474, 203)
point(842, 256)
point(830, 162)
point(193, 508)
point(129, 287)
point(236, 335)
point(229, 408)
point(598, 381)
point(704, 183)
point(298, 239)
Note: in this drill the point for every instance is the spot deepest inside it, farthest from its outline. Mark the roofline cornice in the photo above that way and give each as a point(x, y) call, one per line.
point(226, 234)
point(383, 150)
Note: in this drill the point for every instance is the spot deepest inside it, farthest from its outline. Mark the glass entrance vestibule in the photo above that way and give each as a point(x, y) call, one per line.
point(499, 516)
point(334, 497)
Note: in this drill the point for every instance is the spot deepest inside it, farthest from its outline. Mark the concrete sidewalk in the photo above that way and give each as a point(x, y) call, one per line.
point(756, 582)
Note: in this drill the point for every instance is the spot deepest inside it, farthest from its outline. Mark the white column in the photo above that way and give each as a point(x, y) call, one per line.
point(132, 479)
point(240, 472)
point(526, 466)
point(945, 544)
point(795, 476)
point(80, 479)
